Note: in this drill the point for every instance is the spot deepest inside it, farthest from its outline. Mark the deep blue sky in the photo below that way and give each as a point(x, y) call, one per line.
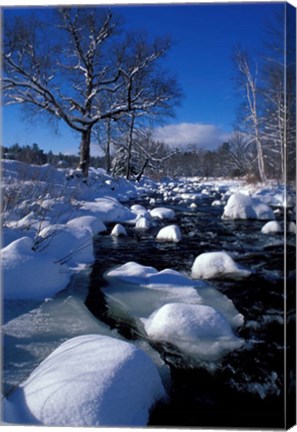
point(204, 37)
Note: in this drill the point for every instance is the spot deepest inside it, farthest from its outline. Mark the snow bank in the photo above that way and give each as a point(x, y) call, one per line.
point(217, 265)
point(30, 275)
point(240, 206)
point(170, 233)
point(271, 227)
point(70, 244)
point(89, 380)
point(162, 213)
point(81, 225)
point(195, 329)
point(106, 209)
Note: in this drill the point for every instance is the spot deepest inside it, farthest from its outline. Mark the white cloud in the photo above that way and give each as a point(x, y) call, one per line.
point(205, 136)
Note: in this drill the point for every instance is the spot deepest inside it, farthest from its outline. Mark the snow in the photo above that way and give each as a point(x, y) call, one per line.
point(118, 230)
point(271, 227)
point(106, 209)
point(48, 242)
point(211, 265)
point(24, 272)
point(241, 206)
point(142, 223)
point(162, 213)
point(138, 291)
point(195, 329)
point(116, 386)
point(66, 243)
point(170, 233)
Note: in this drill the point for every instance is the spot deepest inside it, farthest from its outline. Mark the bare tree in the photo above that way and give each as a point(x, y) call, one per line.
point(69, 75)
point(249, 83)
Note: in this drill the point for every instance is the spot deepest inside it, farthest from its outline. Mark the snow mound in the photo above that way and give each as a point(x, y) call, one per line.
point(240, 206)
point(195, 329)
point(90, 380)
point(142, 223)
point(292, 228)
point(30, 275)
point(118, 230)
point(69, 243)
point(217, 265)
point(271, 227)
point(162, 213)
point(170, 233)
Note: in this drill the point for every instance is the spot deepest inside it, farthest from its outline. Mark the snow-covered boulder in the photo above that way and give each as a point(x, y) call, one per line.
point(118, 231)
point(162, 213)
point(142, 223)
point(197, 330)
point(89, 380)
point(292, 228)
point(217, 265)
point(241, 206)
point(170, 233)
point(28, 274)
point(271, 227)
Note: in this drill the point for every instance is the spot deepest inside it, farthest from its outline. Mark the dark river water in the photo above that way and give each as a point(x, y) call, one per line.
point(248, 387)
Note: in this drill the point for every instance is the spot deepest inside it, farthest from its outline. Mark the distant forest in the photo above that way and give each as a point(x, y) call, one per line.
point(226, 161)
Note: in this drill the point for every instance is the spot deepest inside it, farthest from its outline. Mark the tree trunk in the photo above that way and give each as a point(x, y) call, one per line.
point(107, 152)
point(84, 161)
point(130, 142)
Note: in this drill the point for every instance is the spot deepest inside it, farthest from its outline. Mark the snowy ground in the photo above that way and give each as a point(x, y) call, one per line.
point(50, 218)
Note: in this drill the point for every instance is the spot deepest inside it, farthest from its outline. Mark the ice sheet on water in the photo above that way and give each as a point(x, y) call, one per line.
point(136, 292)
point(30, 336)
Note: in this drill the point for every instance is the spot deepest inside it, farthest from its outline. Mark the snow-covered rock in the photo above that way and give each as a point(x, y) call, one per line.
point(143, 223)
point(118, 231)
point(89, 380)
point(217, 265)
point(292, 227)
point(170, 233)
point(162, 213)
point(195, 329)
point(271, 227)
point(241, 206)
point(30, 275)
